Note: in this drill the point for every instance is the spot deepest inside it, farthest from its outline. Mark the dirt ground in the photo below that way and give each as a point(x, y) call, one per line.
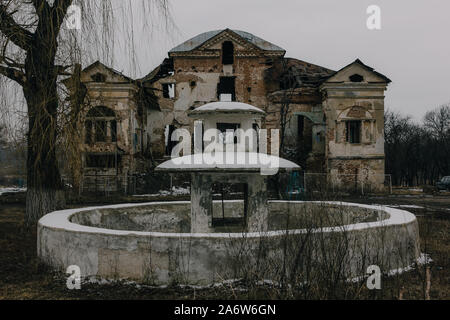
point(22, 276)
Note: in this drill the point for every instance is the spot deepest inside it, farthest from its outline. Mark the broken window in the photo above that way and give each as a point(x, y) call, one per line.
point(168, 90)
point(353, 131)
point(225, 132)
point(356, 78)
point(226, 85)
point(227, 52)
point(97, 123)
point(101, 161)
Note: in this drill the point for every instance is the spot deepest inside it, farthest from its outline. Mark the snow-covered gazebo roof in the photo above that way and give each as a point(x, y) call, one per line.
point(228, 162)
point(224, 107)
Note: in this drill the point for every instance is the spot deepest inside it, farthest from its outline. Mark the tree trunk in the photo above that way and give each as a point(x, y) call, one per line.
point(44, 185)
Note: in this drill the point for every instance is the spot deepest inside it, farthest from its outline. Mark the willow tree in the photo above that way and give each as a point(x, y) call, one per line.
point(37, 48)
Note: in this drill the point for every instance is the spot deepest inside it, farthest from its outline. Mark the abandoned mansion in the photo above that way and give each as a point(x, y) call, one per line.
point(331, 122)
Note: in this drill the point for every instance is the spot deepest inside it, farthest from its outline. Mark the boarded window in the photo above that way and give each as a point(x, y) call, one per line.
point(354, 131)
point(227, 52)
point(227, 86)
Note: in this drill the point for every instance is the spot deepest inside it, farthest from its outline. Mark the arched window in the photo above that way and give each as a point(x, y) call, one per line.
point(227, 52)
point(100, 125)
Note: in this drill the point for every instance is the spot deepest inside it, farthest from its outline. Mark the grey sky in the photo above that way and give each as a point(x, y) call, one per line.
point(412, 48)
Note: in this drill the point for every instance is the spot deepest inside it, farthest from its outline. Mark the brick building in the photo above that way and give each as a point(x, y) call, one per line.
point(333, 120)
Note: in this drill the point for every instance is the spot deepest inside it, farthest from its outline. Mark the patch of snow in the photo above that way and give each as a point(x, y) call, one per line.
point(61, 220)
point(406, 206)
point(176, 191)
point(11, 190)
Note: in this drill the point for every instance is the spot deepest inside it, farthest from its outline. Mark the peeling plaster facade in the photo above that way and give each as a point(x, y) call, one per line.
point(334, 121)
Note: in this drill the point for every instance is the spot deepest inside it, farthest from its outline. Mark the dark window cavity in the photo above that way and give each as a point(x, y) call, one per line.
point(98, 77)
point(168, 90)
point(88, 137)
point(356, 78)
point(227, 86)
point(96, 125)
point(227, 52)
point(353, 131)
point(300, 126)
point(100, 131)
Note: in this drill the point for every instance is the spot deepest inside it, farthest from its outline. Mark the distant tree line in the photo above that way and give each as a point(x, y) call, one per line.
point(418, 153)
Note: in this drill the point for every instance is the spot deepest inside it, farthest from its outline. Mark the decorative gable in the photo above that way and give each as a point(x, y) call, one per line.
point(357, 72)
point(98, 72)
point(210, 44)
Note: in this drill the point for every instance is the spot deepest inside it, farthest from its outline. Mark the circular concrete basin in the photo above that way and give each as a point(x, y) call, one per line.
point(151, 242)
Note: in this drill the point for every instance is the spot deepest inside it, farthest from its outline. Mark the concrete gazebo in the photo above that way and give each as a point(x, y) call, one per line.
point(243, 166)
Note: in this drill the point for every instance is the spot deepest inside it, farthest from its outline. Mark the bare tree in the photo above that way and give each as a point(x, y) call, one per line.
point(290, 80)
point(438, 121)
point(35, 50)
point(418, 153)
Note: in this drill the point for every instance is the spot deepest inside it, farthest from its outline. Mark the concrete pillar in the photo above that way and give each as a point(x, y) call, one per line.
point(258, 211)
point(201, 203)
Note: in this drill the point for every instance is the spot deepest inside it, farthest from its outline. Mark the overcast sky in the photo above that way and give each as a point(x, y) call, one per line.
point(412, 48)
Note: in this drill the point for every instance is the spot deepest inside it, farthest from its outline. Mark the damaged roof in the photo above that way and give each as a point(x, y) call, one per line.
point(305, 73)
point(200, 39)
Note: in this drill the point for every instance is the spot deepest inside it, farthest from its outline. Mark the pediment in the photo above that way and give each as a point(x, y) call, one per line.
point(240, 44)
point(357, 72)
point(98, 72)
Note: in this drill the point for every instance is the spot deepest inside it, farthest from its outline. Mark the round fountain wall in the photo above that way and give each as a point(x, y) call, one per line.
point(152, 242)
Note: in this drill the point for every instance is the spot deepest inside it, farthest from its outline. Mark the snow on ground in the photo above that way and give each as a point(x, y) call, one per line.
point(11, 190)
point(405, 206)
point(176, 191)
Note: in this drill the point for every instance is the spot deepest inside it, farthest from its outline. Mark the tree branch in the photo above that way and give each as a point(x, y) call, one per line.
point(59, 11)
point(13, 74)
point(14, 32)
